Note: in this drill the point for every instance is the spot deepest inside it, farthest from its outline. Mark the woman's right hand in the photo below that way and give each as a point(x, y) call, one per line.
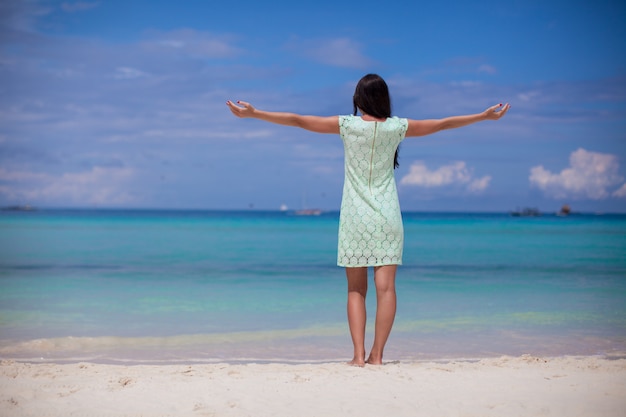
point(243, 110)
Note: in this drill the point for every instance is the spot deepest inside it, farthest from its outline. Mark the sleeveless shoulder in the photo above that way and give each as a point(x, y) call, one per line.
point(349, 125)
point(346, 120)
point(401, 124)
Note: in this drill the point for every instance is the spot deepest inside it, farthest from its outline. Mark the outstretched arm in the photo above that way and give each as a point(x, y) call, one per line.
point(313, 123)
point(426, 127)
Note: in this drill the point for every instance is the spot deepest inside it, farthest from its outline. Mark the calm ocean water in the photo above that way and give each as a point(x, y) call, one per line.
point(193, 286)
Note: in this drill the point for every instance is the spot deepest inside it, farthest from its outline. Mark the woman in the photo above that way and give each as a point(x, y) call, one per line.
point(370, 222)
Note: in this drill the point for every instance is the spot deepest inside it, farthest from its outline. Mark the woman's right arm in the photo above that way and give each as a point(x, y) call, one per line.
point(313, 123)
point(427, 127)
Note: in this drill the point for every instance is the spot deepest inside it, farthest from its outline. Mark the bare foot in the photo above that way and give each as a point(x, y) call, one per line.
point(372, 361)
point(360, 362)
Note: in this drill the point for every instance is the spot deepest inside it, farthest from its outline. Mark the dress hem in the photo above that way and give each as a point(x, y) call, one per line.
point(368, 265)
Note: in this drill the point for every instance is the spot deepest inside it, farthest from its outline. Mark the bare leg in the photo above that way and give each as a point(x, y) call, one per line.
point(385, 280)
point(357, 316)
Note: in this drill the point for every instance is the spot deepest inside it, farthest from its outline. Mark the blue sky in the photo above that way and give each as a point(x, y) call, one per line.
point(122, 103)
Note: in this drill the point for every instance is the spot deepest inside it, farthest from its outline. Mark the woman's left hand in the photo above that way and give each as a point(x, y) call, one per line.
point(496, 112)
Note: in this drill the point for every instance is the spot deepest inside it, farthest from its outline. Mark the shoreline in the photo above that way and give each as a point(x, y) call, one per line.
point(300, 346)
point(249, 360)
point(505, 386)
point(609, 357)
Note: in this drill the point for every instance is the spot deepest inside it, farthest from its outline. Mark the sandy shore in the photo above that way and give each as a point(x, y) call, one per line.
point(524, 386)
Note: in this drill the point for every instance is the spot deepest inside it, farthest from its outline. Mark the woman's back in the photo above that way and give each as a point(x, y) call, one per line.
point(370, 226)
point(369, 149)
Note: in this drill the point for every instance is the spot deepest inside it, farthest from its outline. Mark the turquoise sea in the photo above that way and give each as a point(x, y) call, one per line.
point(149, 286)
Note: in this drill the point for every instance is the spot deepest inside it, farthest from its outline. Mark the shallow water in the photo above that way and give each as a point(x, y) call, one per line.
point(169, 286)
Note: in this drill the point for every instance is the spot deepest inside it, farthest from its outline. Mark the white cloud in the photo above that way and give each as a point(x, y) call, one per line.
point(488, 69)
point(479, 185)
point(127, 73)
point(421, 176)
point(172, 43)
point(590, 175)
point(78, 6)
point(528, 95)
point(21, 176)
point(339, 52)
point(466, 84)
point(456, 173)
point(22, 15)
point(100, 185)
point(620, 192)
point(194, 43)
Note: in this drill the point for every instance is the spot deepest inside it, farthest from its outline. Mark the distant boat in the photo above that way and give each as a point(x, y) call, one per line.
point(308, 212)
point(526, 212)
point(565, 211)
point(19, 208)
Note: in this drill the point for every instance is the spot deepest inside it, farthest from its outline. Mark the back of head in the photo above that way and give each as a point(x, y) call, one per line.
point(371, 96)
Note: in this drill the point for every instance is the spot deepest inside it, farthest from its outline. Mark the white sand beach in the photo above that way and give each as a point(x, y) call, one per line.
point(506, 386)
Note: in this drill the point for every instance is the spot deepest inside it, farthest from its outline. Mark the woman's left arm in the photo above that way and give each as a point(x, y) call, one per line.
point(427, 127)
point(317, 124)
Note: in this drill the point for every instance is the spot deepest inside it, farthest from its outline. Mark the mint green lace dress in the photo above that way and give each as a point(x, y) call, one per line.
point(370, 222)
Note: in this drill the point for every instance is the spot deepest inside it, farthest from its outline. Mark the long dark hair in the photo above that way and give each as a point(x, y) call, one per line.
point(371, 96)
